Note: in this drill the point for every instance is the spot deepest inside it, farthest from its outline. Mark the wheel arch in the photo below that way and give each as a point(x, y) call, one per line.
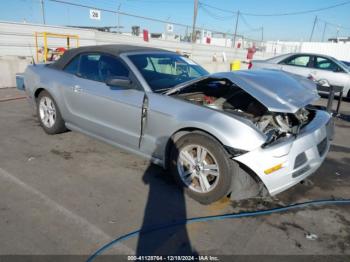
point(52, 93)
point(246, 179)
point(55, 96)
point(180, 133)
point(38, 91)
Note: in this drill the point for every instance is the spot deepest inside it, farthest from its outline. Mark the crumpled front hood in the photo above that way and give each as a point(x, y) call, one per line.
point(279, 91)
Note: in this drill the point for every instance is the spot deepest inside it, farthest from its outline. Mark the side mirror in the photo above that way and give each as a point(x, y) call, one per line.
point(119, 81)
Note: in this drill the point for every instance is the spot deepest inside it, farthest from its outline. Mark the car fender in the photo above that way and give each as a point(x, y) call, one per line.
point(169, 115)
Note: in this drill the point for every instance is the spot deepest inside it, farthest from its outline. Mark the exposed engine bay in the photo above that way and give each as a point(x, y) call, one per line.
point(224, 96)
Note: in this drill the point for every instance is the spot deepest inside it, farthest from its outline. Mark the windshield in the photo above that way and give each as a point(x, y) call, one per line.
point(163, 71)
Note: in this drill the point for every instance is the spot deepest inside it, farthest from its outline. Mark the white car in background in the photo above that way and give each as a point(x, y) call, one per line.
point(319, 67)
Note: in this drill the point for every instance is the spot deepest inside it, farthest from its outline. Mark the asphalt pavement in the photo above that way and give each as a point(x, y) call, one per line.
point(69, 194)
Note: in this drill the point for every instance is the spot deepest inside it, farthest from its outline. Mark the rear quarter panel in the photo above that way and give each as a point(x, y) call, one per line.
point(42, 77)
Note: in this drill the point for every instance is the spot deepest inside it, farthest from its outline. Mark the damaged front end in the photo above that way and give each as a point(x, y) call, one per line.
point(277, 105)
point(283, 125)
point(225, 96)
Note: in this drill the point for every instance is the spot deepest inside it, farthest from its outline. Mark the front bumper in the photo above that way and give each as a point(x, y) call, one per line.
point(300, 156)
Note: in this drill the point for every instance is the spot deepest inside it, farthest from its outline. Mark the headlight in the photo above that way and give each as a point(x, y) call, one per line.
point(234, 151)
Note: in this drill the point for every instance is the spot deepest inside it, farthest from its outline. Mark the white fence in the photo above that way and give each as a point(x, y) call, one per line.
point(17, 39)
point(340, 51)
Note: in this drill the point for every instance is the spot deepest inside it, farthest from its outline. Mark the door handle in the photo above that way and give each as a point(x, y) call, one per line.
point(77, 89)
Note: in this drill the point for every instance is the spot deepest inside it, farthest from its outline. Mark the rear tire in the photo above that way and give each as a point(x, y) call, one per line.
point(202, 167)
point(49, 114)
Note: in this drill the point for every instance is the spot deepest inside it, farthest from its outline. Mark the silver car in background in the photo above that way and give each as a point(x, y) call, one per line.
point(319, 67)
point(242, 133)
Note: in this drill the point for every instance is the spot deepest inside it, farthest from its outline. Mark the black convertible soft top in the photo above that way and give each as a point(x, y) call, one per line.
point(107, 49)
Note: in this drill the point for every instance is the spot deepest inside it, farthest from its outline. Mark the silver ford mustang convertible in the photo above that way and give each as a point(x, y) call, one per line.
point(240, 134)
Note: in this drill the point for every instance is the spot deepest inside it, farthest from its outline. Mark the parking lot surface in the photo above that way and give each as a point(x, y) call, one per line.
point(70, 194)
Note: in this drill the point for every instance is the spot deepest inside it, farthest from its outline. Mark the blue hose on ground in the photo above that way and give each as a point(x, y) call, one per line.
point(219, 217)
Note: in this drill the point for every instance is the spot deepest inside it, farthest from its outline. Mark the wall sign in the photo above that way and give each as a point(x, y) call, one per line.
point(95, 14)
point(170, 28)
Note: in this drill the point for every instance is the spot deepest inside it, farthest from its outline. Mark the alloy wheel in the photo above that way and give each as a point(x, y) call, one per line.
point(198, 168)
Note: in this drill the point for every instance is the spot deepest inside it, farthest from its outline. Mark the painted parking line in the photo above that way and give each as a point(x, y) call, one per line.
point(90, 229)
point(12, 98)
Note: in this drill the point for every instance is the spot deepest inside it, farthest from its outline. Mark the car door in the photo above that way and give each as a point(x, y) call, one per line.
point(112, 113)
point(297, 64)
point(326, 69)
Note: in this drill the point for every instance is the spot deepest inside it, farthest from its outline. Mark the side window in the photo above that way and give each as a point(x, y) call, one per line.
point(89, 66)
point(326, 64)
point(109, 66)
point(302, 61)
point(72, 67)
point(99, 67)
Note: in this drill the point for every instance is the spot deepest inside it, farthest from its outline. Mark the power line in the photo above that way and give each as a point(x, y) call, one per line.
point(43, 11)
point(324, 31)
point(219, 9)
point(313, 28)
point(236, 28)
point(215, 16)
point(159, 1)
point(131, 15)
point(335, 25)
point(195, 12)
point(117, 12)
point(247, 24)
point(242, 14)
point(280, 14)
point(300, 12)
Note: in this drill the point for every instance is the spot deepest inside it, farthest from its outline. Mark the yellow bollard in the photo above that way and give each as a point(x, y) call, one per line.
point(235, 65)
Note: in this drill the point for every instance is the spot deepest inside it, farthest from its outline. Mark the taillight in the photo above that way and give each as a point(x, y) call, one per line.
point(250, 65)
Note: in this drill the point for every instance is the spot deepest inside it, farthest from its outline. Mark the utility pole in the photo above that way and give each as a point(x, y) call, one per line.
point(43, 11)
point(236, 27)
point(195, 12)
point(186, 33)
point(338, 29)
point(313, 28)
point(324, 31)
point(118, 18)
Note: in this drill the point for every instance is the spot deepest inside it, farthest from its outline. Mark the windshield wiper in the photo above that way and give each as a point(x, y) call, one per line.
point(162, 90)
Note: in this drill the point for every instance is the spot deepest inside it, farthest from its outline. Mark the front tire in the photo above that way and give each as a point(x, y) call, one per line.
point(202, 167)
point(49, 114)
